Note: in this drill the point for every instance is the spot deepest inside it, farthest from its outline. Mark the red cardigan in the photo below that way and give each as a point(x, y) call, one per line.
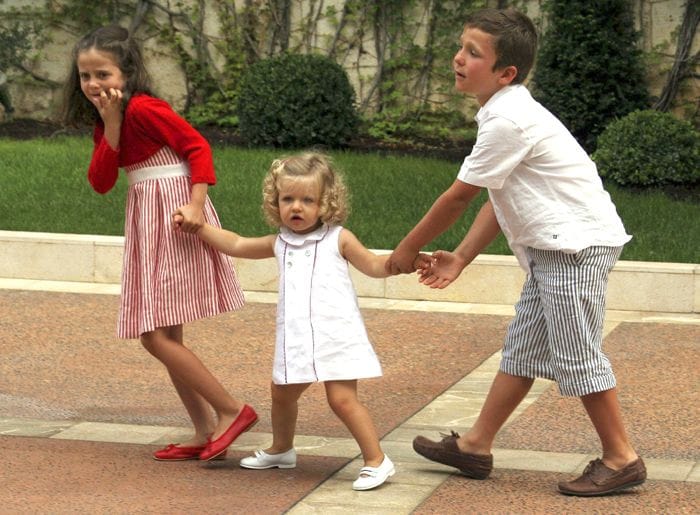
point(149, 124)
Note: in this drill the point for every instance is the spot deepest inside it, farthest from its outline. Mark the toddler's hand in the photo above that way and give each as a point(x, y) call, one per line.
point(423, 264)
point(177, 219)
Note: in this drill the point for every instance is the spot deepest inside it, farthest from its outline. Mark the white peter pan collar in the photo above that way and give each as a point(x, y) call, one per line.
point(297, 240)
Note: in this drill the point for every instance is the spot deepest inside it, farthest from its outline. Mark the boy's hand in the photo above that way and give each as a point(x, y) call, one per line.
point(445, 268)
point(401, 261)
point(188, 218)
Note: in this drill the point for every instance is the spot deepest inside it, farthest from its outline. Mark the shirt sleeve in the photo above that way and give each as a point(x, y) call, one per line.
point(157, 119)
point(500, 146)
point(104, 165)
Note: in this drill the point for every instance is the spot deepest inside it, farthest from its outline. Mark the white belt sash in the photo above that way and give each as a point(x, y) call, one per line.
point(157, 172)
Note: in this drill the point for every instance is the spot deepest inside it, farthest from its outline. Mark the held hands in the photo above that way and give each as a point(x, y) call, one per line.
point(444, 267)
point(402, 261)
point(188, 218)
point(422, 262)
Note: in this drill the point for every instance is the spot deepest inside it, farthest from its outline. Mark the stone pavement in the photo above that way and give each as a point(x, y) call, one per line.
point(81, 412)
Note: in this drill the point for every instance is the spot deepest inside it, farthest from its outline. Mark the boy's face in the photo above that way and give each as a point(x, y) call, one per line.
point(473, 66)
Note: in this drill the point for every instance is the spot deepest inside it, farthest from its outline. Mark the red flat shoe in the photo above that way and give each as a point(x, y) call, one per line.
point(246, 419)
point(175, 453)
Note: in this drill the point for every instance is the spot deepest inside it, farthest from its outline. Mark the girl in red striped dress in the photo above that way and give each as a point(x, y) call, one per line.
point(169, 277)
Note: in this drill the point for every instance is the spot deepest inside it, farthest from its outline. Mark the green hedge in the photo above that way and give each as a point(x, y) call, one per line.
point(294, 101)
point(589, 70)
point(649, 148)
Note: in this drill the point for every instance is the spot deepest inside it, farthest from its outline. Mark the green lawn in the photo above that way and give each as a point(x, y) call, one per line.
point(43, 187)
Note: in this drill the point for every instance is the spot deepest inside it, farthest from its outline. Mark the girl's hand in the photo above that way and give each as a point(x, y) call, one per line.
point(189, 218)
point(444, 269)
point(110, 106)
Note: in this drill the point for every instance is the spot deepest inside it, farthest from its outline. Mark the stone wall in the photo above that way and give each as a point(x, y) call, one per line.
point(657, 21)
point(633, 285)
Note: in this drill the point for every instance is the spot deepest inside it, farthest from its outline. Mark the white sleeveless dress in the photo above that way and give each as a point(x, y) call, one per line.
point(321, 335)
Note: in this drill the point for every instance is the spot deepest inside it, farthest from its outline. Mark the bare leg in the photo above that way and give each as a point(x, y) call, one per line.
point(342, 397)
point(604, 411)
point(506, 393)
point(198, 409)
point(285, 408)
point(192, 375)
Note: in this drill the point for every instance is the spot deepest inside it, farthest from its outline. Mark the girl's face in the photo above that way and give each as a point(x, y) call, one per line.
point(299, 204)
point(98, 72)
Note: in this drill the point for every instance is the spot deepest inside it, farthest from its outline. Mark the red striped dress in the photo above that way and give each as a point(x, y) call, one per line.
point(168, 277)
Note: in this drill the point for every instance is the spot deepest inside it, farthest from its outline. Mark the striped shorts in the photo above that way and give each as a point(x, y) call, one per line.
point(557, 331)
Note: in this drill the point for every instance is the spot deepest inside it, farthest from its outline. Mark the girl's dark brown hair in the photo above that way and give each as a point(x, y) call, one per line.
point(115, 40)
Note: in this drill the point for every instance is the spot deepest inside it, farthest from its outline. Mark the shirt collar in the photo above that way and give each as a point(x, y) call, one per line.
point(297, 240)
point(483, 111)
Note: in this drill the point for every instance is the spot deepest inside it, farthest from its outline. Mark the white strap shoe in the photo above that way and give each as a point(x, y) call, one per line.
point(263, 460)
point(372, 477)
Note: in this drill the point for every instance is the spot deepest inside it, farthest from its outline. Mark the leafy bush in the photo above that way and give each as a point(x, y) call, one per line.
point(588, 69)
point(219, 109)
point(647, 148)
point(415, 126)
point(294, 100)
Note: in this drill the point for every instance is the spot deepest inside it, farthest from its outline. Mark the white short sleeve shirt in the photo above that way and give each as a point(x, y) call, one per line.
point(544, 188)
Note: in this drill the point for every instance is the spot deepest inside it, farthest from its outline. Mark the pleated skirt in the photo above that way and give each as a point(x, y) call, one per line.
point(169, 277)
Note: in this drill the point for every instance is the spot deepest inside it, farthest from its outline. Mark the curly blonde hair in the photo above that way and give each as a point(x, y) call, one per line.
point(334, 201)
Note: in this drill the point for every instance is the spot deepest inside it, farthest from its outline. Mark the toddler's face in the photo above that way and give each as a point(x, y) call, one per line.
point(473, 65)
point(299, 203)
point(98, 72)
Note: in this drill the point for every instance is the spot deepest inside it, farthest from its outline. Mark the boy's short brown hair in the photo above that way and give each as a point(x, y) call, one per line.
point(515, 38)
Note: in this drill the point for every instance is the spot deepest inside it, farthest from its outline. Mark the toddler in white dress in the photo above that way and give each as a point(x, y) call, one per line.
point(320, 332)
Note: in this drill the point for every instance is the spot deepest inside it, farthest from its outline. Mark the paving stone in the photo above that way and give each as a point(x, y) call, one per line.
point(105, 405)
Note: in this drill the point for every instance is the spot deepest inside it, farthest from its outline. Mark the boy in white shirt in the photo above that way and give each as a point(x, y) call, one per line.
point(547, 198)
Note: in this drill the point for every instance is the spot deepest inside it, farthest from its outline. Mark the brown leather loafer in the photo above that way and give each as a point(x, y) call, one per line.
point(475, 466)
point(599, 479)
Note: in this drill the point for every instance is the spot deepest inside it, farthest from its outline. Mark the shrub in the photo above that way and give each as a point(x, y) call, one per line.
point(417, 126)
point(294, 100)
point(219, 109)
point(588, 69)
point(647, 148)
